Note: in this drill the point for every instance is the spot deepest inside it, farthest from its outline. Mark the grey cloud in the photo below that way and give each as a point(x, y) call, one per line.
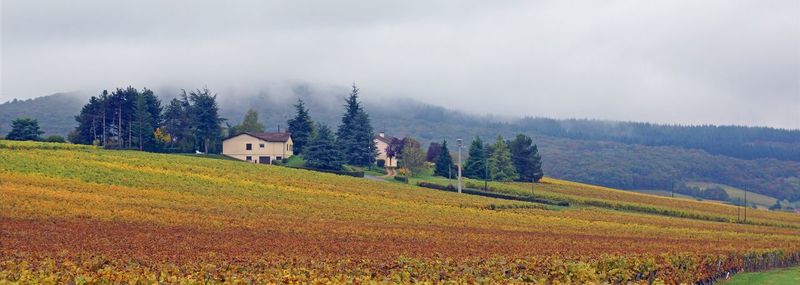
point(721, 62)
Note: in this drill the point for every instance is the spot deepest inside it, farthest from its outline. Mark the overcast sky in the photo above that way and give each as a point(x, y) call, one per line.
point(719, 62)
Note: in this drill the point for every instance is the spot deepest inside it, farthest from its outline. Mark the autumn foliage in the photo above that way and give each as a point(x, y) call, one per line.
point(85, 215)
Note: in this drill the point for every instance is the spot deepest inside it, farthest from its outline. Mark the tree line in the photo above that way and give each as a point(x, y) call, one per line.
point(128, 118)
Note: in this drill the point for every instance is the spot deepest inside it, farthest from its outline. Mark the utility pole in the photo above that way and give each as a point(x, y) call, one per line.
point(745, 205)
point(460, 142)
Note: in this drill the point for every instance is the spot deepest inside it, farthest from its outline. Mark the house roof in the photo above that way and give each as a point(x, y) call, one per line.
point(386, 139)
point(269, 136)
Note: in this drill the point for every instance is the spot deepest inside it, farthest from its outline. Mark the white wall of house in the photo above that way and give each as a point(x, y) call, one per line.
point(260, 150)
point(390, 162)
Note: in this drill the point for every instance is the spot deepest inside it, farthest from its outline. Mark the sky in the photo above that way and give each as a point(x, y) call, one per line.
point(680, 62)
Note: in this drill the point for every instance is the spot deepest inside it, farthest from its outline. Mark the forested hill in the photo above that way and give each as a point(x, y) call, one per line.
point(734, 141)
point(55, 113)
point(615, 154)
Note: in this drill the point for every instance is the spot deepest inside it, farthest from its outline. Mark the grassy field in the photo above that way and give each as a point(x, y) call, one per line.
point(664, 193)
point(790, 276)
point(760, 200)
point(85, 215)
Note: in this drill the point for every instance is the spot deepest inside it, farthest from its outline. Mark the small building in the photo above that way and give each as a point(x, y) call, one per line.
point(258, 147)
point(382, 144)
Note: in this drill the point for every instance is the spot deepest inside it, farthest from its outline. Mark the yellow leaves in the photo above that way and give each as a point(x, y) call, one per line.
point(195, 220)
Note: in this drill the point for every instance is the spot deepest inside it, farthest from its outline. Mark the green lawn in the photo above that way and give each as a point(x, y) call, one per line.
point(775, 277)
point(736, 193)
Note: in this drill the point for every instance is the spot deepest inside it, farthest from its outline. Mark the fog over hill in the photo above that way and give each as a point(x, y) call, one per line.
point(616, 154)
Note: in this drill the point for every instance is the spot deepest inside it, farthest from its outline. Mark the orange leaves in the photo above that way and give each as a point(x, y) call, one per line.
point(90, 215)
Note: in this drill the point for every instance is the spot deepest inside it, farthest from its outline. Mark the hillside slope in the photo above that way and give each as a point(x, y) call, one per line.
point(78, 213)
point(570, 151)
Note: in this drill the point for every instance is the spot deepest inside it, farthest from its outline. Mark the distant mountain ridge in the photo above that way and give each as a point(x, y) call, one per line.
point(624, 155)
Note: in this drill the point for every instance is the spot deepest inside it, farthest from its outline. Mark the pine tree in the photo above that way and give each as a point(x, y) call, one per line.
point(500, 165)
point(355, 134)
point(537, 164)
point(250, 123)
point(143, 123)
point(321, 151)
point(301, 127)
point(444, 163)
point(24, 129)
point(205, 118)
point(90, 122)
point(475, 167)
point(177, 123)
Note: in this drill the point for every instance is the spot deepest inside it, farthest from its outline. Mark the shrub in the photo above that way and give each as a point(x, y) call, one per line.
point(381, 162)
point(55, 139)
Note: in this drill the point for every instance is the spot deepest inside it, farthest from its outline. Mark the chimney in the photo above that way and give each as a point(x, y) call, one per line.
point(381, 134)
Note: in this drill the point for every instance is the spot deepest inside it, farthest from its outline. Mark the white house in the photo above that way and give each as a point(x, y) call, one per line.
point(382, 143)
point(258, 147)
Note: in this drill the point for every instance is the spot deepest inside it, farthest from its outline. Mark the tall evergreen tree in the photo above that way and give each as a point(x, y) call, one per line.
point(90, 122)
point(526, 158)
point(250, 123)
point(205, 117)
point(178, 123)
point(301, 127)
point(537, 164)
point(475, 167)
point(355, 134)
point(147, 117)
point(24, 129)
point(501, 167)
point(444, 163)
point(321, 151)
point(143, 124)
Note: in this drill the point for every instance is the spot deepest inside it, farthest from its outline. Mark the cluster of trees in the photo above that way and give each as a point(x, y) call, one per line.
point(128, 118)
point(27, 129)
point(516, 159)
point(351, 144)
point(712, 193)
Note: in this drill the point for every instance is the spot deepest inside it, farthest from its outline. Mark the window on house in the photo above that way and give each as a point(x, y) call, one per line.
point(261, 145)
point(248, 146)
point(288, 147)
point(249, 158)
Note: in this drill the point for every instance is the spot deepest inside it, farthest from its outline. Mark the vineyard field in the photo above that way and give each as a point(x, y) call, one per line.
point(85, 215)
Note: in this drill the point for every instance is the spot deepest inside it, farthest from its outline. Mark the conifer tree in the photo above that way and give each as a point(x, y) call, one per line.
point(301, 127)
point(536, 160)
point(24, 129)
point(143, 122)
point(321, 151)
point(355, 134)
point(444, 163)
point(501, 168)
point(476, 163)
point(205, 118)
